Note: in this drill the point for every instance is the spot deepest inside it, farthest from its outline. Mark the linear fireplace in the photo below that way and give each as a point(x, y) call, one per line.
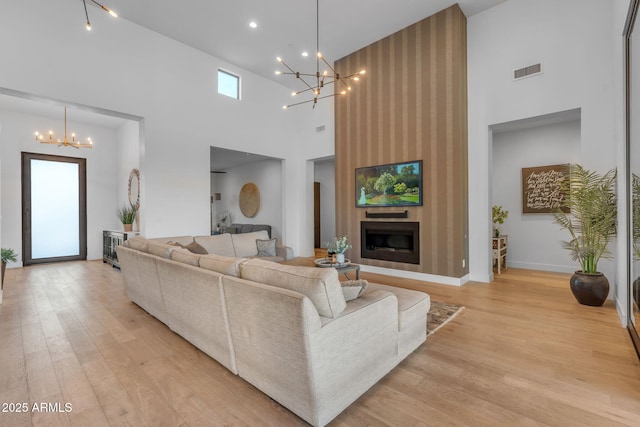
point(390, 241)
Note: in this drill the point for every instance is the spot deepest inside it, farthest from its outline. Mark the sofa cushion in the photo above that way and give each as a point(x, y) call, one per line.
point(196, 248)
point(139, 243)
point(352, 289)
point(320, 285)
point(182, 240)
point(266, 247)
point(160, 249)
point(220, 244)
point(245, 244)
point(185, 256)
point(222, 264)
point(269, 258)
point(258, 227)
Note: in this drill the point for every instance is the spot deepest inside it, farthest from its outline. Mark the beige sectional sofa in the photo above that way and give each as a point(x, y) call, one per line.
point(287, 330)
point(233, 245)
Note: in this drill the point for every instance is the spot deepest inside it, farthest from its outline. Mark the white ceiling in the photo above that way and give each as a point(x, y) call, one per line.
point(286, 28)
point(222, 159)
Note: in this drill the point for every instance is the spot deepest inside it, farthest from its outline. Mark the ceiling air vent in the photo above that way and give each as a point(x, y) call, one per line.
point(529, 71)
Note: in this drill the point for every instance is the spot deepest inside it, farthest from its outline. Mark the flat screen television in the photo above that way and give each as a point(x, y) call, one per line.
point(395, 184)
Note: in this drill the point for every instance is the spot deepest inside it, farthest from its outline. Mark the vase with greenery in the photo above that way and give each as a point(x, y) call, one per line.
point(498, 216)
point(8, 255)
point(591, 224)
point(340, 246)
point(126, 215)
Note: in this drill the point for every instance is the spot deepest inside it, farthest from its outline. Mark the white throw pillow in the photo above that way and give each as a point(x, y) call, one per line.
point(266, 247)
point(352, 289)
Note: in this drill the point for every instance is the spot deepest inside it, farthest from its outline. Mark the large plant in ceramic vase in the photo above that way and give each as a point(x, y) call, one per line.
point(591, 223)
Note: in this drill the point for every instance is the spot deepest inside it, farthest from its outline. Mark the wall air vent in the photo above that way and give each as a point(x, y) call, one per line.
point(529, 71)
point(320, 128)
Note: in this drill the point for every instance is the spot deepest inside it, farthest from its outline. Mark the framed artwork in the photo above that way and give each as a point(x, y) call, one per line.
point(542, 188)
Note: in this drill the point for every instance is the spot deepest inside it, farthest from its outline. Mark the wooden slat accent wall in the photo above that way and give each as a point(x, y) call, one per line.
point(411, 105)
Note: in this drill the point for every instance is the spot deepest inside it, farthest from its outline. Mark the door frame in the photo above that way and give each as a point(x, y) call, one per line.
point(26, 206)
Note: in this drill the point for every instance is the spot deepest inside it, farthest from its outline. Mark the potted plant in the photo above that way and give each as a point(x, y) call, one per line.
point(498, 216)
point(591, 223)
point(127, 215)
point(340, 246)
point(8, 255)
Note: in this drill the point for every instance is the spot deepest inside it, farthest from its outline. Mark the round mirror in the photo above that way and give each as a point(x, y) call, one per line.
point(134, 188)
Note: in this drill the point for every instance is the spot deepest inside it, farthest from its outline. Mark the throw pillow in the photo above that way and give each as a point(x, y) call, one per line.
point(195, 248)
point(352, 289)
point(266, 247)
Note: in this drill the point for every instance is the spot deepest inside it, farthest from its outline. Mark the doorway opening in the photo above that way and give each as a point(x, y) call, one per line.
point(54, 208)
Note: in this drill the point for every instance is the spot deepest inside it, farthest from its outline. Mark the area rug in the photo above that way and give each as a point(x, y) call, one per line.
point(440, 314)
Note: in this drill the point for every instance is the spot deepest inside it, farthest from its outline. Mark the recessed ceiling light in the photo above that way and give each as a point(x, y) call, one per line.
point(305, 54)
point(253, 24)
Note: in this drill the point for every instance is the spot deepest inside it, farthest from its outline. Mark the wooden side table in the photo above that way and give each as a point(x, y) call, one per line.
point(347, 269)
point(500, 252)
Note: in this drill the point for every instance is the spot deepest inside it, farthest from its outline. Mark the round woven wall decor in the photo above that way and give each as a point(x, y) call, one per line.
point(249, 200)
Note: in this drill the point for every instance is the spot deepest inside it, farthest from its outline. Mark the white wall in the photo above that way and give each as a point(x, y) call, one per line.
point(102, 175)
point(325, 174)
point(578, 42)
point(534, 239)
point(128, 159)
point(267, 175)
point(131, 70)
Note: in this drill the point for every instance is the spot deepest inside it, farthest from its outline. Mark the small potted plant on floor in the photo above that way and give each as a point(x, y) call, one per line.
point(127, 215)
point(591, 223)
point(8, 255)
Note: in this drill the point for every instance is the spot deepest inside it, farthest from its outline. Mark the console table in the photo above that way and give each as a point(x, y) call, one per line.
point(110, 241)
point(500, 252)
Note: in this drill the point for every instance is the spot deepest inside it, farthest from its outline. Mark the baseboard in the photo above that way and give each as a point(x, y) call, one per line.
point(622, 313)
point(445, 280)
point(543, 267)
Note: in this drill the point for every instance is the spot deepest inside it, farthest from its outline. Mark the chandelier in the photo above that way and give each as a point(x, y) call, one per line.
point(316, 82)
point(103, 7)
point(64, 142)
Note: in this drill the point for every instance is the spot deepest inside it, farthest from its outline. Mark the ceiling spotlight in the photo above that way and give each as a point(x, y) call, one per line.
point(253, 24)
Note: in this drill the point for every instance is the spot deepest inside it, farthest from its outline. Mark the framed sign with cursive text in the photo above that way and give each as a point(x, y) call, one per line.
point(542, 189)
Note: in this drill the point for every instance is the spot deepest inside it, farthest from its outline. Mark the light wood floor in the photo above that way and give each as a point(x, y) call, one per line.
point(522, 353)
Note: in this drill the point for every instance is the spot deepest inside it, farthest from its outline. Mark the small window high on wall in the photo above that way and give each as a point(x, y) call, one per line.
point(228, 84)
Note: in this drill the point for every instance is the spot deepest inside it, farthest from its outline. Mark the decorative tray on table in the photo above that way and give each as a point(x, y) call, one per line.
point(326, 262)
